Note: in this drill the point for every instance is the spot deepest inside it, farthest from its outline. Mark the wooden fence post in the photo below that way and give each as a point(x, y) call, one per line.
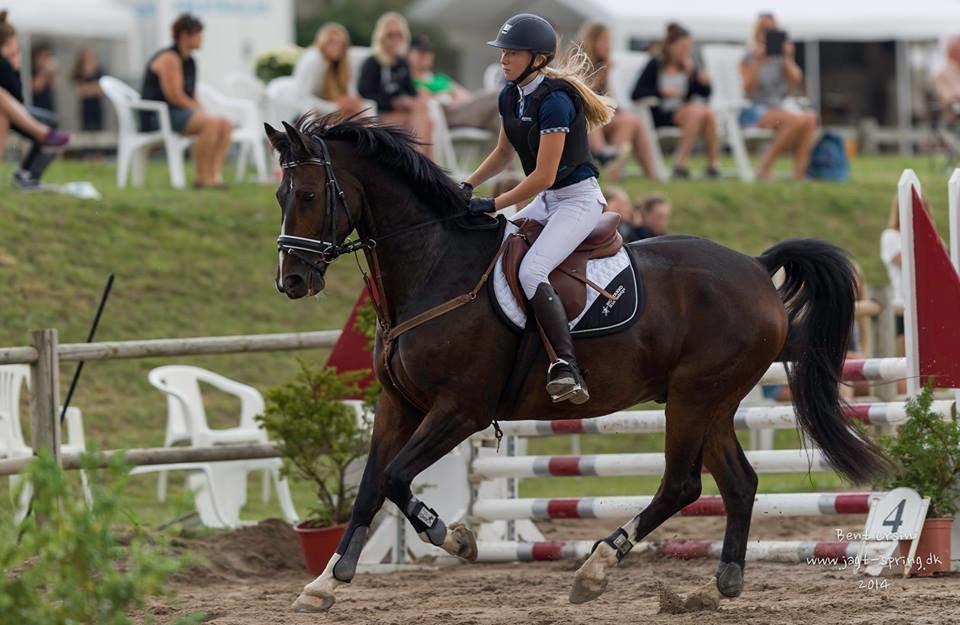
point(886, 346)
point(45, 395)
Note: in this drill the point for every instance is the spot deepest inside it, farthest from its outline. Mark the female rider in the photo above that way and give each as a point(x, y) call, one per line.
point(546, 114)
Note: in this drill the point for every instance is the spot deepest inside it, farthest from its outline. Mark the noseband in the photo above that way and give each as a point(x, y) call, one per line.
point(328, 251)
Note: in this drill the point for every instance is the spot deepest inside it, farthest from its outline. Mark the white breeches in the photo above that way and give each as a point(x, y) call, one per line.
point(570, 214)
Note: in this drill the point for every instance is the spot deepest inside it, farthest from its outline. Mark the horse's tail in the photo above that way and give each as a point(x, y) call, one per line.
point(819, 293)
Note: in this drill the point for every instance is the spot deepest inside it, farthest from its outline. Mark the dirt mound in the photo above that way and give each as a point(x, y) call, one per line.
point(258, 551)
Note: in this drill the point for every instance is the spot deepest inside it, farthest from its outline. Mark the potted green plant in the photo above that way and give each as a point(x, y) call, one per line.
point(276, 62)
point(927, 447)
point(319, 437)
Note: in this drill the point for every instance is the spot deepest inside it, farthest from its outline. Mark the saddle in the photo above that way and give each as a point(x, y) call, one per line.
point(570, 278)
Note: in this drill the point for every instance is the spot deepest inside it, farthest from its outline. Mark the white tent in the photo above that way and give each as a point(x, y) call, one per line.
point(95, 19)
point(713, 20)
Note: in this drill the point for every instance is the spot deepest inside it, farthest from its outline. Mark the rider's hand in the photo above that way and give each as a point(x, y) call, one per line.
point(467, 190)
point(481, 205)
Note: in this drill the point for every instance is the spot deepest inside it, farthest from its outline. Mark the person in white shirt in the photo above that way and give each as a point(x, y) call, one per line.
point(324, 76)
point(890, 249)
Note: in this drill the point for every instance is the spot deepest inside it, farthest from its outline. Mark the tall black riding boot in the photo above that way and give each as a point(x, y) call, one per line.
point(564, 381)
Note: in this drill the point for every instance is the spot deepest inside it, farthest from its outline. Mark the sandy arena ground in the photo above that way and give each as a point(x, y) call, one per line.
point(253, 575)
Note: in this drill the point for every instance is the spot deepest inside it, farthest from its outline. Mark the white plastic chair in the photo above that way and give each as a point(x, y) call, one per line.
point(245, 86)
point(13, 378)
point(248, 127)
point(625, 70)
point(132, 144)
point(286, 99)
point(187, 422)
point(728, 98)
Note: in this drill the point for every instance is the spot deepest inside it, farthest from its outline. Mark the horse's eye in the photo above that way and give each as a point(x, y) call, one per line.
point(308, 196)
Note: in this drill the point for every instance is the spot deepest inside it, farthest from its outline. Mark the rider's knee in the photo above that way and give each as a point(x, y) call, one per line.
point(530, 278)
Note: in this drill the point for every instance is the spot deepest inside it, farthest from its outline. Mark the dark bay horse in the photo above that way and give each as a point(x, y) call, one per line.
point(712, 325)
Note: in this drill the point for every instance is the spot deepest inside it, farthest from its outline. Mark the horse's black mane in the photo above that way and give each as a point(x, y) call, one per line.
point(391, 146)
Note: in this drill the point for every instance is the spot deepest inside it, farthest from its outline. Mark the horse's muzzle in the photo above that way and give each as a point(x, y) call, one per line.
point(296, 285)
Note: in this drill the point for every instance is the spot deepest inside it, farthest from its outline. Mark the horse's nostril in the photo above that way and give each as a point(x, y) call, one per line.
point(292, 282)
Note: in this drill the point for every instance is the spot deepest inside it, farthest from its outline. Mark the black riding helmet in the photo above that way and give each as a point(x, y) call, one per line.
point(529, 32)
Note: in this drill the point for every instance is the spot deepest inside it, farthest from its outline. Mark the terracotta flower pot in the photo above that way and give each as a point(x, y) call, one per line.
point(933, 548)
point(320, 543)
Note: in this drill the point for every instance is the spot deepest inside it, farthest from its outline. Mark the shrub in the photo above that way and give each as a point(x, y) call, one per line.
point(927, 447)
point(319, 436)
point(66, 563)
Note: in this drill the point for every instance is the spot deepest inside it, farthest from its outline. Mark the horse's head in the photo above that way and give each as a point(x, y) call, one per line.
point(316, 212)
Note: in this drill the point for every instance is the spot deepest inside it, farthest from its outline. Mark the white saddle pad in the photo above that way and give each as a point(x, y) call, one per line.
point(602, 271)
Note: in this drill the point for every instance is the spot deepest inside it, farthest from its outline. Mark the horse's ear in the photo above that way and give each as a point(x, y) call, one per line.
point(297, 141)
point(277, 139)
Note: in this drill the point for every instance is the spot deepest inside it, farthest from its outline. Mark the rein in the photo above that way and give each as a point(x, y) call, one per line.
point(307, 250)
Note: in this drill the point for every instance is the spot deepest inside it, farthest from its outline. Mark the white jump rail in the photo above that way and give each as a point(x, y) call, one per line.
point(793, 504)
point(747, 418)
point(822, 553)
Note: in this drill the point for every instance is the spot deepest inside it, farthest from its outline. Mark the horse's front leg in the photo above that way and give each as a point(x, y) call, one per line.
point(438, 434)
point(394, 423)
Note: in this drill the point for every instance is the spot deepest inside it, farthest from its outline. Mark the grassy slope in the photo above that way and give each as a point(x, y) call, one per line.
point(202, 263)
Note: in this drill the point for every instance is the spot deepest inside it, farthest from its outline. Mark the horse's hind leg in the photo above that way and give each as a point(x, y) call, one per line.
point(680, 486)
point(737, 482)
point(393, 425)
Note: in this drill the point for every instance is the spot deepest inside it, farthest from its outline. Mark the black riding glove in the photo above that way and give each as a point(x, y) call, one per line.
point(467, 190)
point(478, 205)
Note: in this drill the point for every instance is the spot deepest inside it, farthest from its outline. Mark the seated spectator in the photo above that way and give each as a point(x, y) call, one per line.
point(460, 106)
point(656, 211)
point(421, 59)
point(385, 78)
point(683, 89)
point(36, 124)
point(43, 72)
point(171, 77)
point(86, 77)
point(946, 81)
point(855, 346)
point(323, 73)
point(891, 246)
point(767, 80)
point(630, 217)
point(625, 133)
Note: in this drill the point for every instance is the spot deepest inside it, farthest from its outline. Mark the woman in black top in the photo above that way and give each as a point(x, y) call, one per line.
point(171, 77)
point(385, 78)
point(86, 77)
point(682, 89)
point(38, 125)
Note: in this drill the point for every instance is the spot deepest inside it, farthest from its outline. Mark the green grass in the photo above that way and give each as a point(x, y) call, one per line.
point(192, 263)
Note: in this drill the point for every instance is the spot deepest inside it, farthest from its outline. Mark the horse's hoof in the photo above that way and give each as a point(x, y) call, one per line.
point(314, 603)
point(730, 579)
point(591, 579)
point(587, 589)
point(461, 542)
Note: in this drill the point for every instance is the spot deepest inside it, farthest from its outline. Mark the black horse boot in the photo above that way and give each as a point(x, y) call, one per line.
point(564, 381)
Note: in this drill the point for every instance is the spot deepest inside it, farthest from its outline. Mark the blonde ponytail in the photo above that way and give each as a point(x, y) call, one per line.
point(576, 69)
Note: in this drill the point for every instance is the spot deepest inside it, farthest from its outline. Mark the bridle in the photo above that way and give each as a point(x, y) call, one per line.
point(306, 249)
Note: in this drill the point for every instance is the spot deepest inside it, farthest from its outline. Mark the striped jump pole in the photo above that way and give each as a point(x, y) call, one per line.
point(747, 418)
point(799, 504)
point(611, 465)
point(824, 553)
point(867, 369)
